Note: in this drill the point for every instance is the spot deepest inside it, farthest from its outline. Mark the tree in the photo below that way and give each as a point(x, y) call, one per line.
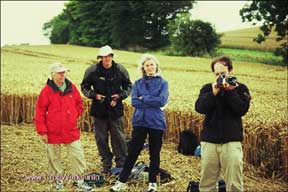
point(88, 23)
point(193, 37)
point(157, 16)
point(273, 13)
point(119, 23)
point(57, 29)
point(127, 33)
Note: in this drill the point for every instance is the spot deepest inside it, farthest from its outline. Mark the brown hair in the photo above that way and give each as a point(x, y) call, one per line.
point(225, 60)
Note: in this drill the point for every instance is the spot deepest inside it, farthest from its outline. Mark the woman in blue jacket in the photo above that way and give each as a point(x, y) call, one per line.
point(149, 96)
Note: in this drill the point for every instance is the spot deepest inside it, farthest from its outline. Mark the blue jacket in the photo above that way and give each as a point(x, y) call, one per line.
point(148, 112)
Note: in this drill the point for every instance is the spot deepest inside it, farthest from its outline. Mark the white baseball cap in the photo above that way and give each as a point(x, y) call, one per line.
point(104, 51)
point(57, 67)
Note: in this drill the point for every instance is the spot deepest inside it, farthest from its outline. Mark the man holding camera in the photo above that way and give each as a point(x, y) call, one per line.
point(223, 102)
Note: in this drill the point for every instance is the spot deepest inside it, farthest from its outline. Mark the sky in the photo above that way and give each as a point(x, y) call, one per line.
point(224, 15)
point(22, 21)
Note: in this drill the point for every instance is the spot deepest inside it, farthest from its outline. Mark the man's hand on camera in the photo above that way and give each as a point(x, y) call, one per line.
point(230, 87)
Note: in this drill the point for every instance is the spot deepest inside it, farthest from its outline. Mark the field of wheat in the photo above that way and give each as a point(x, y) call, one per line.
point(24, 73)
point(243, 39)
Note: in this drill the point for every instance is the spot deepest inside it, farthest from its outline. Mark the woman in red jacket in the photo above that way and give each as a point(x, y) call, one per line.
point(58, 107)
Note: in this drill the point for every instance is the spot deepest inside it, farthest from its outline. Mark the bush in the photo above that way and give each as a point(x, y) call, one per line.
point(192, 37)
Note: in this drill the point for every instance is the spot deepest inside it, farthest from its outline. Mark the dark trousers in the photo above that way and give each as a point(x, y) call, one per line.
point(139, 135)
point(102, 128)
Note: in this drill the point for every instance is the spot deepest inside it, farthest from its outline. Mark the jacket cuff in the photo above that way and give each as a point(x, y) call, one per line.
point(122, 96)
point(143, 98)
point(42, 132)
point(41, 129)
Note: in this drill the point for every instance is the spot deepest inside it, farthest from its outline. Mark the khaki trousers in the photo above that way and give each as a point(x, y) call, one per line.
point(75, 156)
point(226, 159)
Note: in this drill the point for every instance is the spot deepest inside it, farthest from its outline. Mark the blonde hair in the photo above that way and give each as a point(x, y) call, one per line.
point(144, 58)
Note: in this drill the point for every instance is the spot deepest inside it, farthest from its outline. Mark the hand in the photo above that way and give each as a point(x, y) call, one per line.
point(115, 97)
point(230, 87)
point(44, 138)
point(113, 103)
point(99, 97)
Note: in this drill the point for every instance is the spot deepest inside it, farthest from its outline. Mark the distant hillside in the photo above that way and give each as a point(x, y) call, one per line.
point(243, 38)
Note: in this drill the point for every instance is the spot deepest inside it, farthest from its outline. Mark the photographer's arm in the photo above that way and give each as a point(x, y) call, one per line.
point(206, 100)
point(239, 102)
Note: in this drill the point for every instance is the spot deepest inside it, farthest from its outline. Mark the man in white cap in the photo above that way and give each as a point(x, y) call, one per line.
point(107, 83)
point(58, 107)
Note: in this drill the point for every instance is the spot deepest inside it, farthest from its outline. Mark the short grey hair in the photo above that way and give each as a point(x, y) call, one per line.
point(146, 57)
point(51, 76)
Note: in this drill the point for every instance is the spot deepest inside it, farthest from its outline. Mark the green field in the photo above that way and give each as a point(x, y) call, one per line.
point(243, 39)
point(239, 45)
point(255, 56)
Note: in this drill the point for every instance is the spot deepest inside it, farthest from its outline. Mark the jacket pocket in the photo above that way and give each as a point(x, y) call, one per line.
point(73, 117)
point(137, 116)
point(158, 119)
point(52, 122)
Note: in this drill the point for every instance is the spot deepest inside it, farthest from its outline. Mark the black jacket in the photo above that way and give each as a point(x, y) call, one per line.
point(223, 113)
point(98, 80)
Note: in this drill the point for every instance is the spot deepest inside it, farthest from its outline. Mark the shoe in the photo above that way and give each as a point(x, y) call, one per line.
point(118, 186)
point(82, 186)
point(152, 187)
point(59, 185)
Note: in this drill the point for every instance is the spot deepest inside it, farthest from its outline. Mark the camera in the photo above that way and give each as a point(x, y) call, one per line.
point(223, 79)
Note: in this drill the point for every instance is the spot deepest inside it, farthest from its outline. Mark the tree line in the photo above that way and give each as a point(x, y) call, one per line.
point(119, 23)
point(274, 16)
point(132, 24)
point(154, 25)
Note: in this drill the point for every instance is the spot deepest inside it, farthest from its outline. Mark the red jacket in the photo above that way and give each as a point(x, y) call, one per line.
point(57, 113)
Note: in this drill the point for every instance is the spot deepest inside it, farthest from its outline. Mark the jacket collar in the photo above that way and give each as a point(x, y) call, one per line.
point(55, 88)
point(100, 66)
point(157, 75)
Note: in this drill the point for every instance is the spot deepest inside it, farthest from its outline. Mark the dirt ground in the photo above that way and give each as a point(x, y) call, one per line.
point(24, 165)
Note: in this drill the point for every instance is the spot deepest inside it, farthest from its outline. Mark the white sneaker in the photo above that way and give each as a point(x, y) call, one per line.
point(118, 186)
point(83, 186)
point(59, 185)
point(152, 187)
